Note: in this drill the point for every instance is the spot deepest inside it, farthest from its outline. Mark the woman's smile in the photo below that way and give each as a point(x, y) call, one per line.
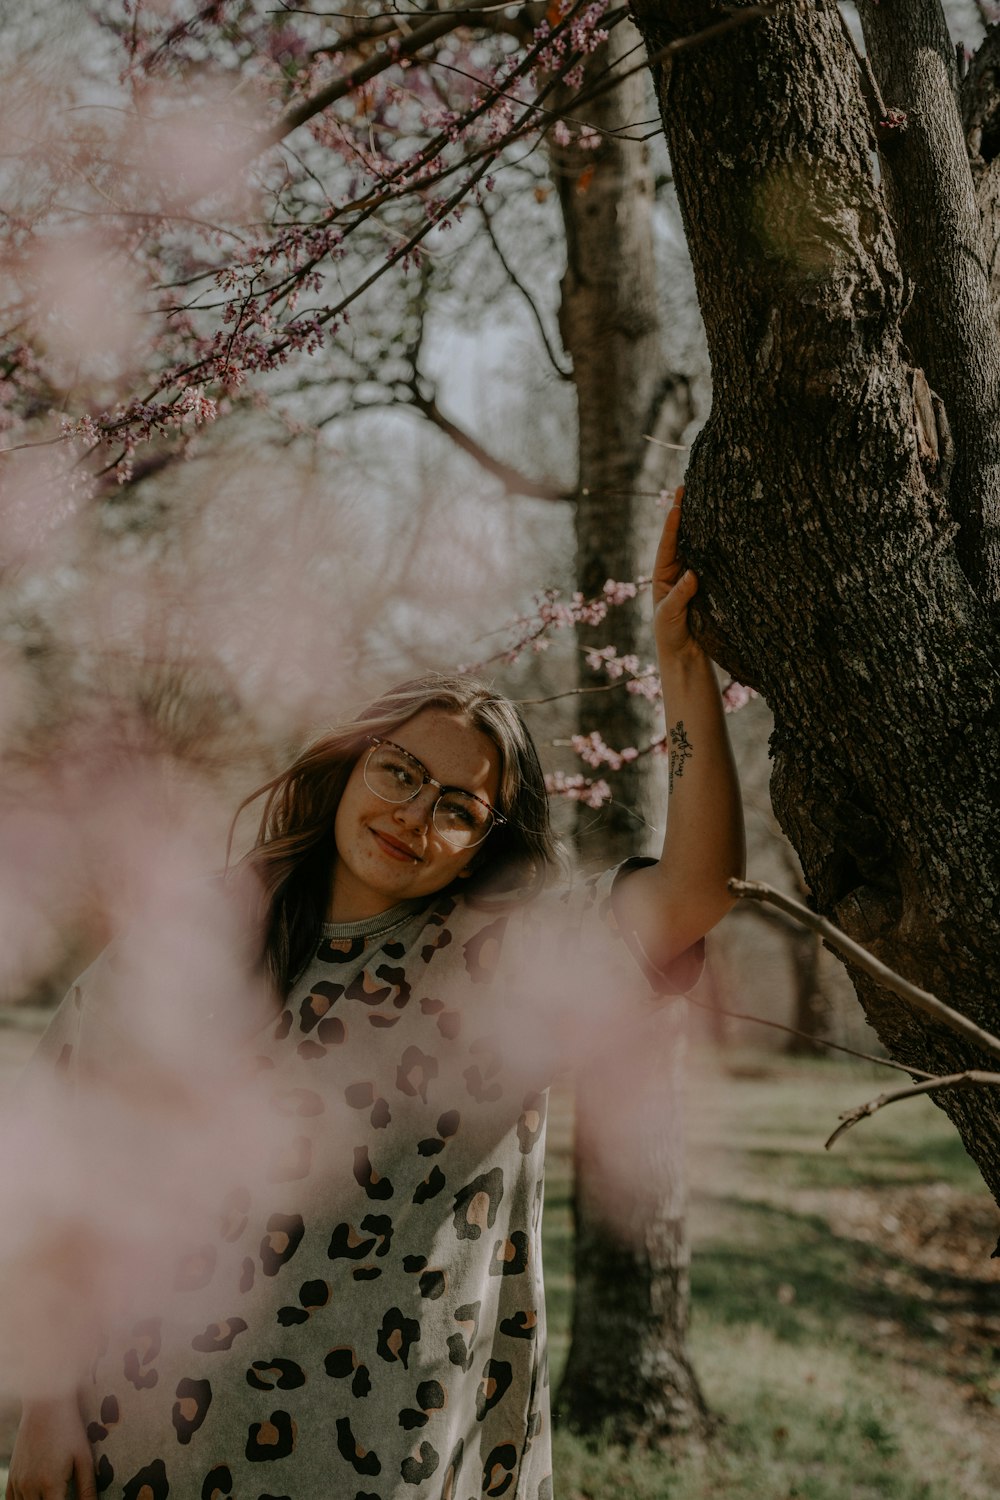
point(394, 848)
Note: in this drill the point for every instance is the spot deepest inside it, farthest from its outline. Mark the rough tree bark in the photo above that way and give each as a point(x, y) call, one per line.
point(628, 1374)
point(821, 520)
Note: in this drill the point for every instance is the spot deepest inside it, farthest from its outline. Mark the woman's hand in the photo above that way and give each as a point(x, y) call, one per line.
point(50, 1451)
point(673, 590)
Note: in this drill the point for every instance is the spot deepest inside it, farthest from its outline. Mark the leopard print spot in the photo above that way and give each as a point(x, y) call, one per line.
point(282, 1374)
point(510, 1256)
point(218, 1337)
point(194, 1397)
point(397, 1336)
point(494, 1385)
point(196, 1270)
point(376, 1187)
point(477, 1203)
point(498, 1470)
point(218, 1483)
point(331, 1031)
point(283, 1238)
point(362, 1461)
point(421, 1466)
point(150, 1483)
point(432, 1284)
point(416, 1071)
point(271, 1440)
point(430, 1187)
point(521, 1325)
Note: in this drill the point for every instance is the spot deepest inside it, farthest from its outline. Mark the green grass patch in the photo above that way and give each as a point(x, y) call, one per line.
point(842, 1361)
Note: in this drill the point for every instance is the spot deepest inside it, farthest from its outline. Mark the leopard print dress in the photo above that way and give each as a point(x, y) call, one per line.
point(367, 1321)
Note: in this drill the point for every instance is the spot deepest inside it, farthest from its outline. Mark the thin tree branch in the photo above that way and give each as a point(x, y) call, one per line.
point(421, 37)
point(742, 1015)
point(513, 481)
point(929, 1004)
point(972, 1078)
point(560, 369)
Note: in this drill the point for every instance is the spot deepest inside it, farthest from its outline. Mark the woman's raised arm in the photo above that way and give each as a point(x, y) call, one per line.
point(673, 903)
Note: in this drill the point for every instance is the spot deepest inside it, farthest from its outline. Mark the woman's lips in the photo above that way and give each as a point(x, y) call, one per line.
point(393, 848)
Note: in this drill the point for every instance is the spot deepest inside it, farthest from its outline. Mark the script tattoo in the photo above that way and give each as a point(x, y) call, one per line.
point(680, 751)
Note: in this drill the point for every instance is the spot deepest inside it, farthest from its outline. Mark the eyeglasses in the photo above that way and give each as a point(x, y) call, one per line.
point(392, 773)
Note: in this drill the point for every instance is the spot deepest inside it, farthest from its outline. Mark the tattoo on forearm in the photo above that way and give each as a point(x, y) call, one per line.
point(680, 751)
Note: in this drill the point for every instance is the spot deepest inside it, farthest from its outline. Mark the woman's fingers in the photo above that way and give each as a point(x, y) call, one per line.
point(86, 1480)
point(666, 568)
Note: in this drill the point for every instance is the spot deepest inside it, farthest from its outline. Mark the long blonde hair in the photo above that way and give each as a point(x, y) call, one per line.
point(291, 863)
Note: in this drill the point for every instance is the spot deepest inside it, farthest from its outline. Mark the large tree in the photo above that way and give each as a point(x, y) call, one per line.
point(843, 493)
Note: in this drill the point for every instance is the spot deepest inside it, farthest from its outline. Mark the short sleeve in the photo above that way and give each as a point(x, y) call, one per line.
point(683, 973)
point(573, 974)
point(589, 921)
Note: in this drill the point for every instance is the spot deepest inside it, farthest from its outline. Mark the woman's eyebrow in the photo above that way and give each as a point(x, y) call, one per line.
point(447, 786)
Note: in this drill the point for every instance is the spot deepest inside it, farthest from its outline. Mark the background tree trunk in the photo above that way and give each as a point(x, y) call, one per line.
point(628, 1375)
point(819, 521)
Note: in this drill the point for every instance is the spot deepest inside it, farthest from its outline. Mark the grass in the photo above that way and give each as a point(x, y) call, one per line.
point(846, 1314)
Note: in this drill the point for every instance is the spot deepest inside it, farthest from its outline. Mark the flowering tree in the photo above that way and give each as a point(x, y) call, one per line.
point(254, 178)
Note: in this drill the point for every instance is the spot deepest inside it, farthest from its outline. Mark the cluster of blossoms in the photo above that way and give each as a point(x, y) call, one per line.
point(735, 696)
point(143, 420)
point(552, 612)
point(585, 138)
point(578, 789)
point(642, 680)
point(582, 36)
point(594, 752)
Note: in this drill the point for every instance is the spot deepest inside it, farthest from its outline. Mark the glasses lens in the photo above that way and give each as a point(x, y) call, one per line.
point(392, 775)
point(462, 820)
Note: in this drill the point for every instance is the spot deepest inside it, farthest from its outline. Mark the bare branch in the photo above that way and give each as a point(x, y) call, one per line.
point(929, 1004)
point(560, 369)
point(816, 1041)
point(972, 1078)
point(513, 481)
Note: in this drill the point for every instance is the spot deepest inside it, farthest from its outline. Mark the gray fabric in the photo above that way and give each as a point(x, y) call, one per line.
point(367, 1320)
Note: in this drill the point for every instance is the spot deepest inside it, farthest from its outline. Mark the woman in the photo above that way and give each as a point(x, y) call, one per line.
point(367, 1320)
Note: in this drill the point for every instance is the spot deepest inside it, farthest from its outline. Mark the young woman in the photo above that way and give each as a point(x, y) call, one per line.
point(367, 1319)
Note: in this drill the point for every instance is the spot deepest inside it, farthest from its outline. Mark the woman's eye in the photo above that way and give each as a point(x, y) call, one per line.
point(399, 771)
point(460, 814)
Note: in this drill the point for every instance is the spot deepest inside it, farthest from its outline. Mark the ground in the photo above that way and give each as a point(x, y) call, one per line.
point(846, 1321)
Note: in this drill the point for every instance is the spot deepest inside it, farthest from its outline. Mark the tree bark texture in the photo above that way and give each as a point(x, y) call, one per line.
point(628, 1375)
point(818, 522)
point(980, 102)
point(949, 326)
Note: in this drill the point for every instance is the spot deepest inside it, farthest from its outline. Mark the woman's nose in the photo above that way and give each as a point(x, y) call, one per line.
point(417, 811)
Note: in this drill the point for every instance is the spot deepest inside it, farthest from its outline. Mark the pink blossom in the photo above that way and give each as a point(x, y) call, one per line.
point(578, 789)
point(736, 696)
point(617, 593)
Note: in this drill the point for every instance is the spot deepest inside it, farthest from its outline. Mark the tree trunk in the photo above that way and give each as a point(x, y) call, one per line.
point(949, 324)
point(628, 1375)
point(820, 523)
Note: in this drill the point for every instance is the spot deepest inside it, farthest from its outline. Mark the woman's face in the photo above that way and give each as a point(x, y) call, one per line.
point(388, 852)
